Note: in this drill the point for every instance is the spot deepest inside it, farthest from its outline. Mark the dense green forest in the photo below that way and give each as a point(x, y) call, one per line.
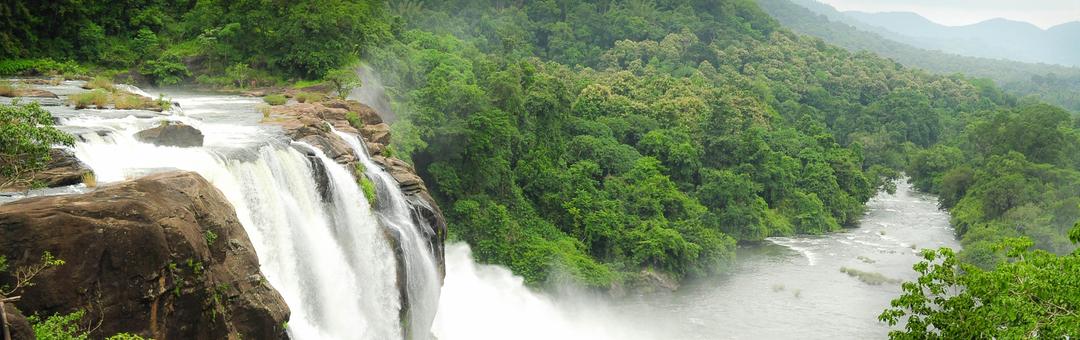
point(593, 140)
point(1050, 83)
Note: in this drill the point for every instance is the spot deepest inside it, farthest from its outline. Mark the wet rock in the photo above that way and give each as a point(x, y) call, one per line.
point(63, 169)
point(32, 93)
point(172, 134)
point(377, 133)
point(156, 256)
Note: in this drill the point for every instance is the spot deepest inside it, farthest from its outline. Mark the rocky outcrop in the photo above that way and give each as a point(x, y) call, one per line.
point(29, 92)
point(63, 169)
point(163, 256)
point(172, 134)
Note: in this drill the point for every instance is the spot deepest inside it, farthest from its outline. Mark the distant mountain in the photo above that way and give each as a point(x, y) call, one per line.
point(1051, 83)
point(995, 38)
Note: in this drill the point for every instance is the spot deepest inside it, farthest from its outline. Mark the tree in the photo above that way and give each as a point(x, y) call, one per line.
point(26, 136)
point(343, 81)
point(1034, 295)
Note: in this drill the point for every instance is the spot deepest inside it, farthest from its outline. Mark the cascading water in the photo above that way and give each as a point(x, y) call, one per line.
point(423, 281)
point(325, 254)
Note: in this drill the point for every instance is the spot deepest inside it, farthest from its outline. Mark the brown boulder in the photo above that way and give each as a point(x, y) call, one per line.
point(30, 92)
point(172, 134)
point(163, 256)
point(377, 133)
point(367, 114)
point(63, 169)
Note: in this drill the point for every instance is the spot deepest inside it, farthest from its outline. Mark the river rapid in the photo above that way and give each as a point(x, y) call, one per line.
point(783, 288)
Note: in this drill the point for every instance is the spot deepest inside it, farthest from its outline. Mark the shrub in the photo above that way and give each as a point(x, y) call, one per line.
point(275, 99)
point(59, 326)
point(167, 70)
point(239, 74)
point(343, 81)
point(354, 120)
point(369, 189)
point(98, 98)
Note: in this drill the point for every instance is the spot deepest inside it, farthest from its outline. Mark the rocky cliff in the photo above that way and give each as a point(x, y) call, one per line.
point(307, 122)
point(163, 256)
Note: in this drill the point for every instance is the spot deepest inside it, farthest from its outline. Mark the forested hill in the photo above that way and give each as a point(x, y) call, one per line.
point(598, 141)
point(606, 137)
point(1051, 83)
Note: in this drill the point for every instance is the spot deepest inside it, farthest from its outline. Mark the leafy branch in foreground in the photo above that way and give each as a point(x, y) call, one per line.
point(1035, 294)
point(26, 135)
point(24, 276)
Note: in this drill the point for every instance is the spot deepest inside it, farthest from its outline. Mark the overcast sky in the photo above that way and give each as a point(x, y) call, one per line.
point(1042, 13)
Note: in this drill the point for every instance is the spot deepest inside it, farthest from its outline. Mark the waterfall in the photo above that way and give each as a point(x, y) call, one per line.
point(324, 253)
point(423, 281)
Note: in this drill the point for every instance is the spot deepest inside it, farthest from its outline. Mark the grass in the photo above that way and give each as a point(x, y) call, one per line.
point(306, 83)
point(89, 179)
point(275, 99)
point(124, 101)
point(100, 83)
point(98, 98)
point(870, 278)
point(312, 97)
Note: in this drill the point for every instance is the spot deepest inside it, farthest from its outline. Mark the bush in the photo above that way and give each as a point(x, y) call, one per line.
point(33, 67)
point(343, 81)
point(98, 98)
point(275, 99)
point(60, 327)
point(167, 70)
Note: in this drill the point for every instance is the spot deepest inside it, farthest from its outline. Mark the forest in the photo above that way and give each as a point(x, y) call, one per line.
point(595, 141)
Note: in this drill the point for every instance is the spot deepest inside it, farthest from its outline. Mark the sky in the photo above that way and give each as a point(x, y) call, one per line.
point(1042, 13)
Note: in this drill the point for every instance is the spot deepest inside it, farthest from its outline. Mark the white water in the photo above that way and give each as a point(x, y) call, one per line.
point(486, 302)
point(328, 259)
point(423, 277)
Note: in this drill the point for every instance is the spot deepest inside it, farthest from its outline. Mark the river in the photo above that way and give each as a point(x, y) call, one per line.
point(784, 288)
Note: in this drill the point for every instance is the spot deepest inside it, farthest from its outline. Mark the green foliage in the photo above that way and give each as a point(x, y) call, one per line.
point(166, 70)
point(655, 136)
point(210, 237)
point(343, 81)
point(275, 99)
point(60, 327)
point(1034, 295)
point(26, 135)
point(34, 67)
